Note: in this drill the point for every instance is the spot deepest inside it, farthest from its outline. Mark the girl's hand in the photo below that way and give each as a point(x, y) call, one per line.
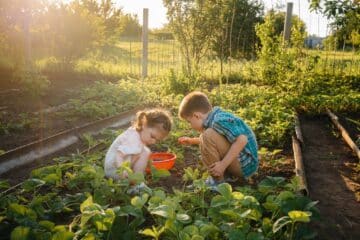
point(217, 169)
point(185, 140)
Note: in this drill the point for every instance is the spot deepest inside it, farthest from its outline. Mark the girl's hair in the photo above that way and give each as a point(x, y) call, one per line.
point(153, 118)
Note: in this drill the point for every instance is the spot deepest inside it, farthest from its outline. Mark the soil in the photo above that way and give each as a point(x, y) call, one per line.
point(13, 104)
point(284, 168)
point(332, 178)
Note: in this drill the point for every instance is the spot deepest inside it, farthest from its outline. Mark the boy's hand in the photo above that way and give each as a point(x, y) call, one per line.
point(217, 169)
point(185, 140)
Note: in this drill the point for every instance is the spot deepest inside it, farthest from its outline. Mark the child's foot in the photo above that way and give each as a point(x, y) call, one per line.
point(136, 189)
point(231, 179)
point(212, 184)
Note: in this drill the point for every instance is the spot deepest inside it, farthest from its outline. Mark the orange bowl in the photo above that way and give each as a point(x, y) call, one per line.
point(162, 160)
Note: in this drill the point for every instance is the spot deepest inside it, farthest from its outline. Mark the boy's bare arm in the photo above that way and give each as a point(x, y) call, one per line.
point(218, 168)
point(189, 140)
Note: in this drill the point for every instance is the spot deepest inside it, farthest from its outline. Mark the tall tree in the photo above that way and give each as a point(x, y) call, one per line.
point(13, 15)
point(132, 27)
point(193, 23)
point(236, 36)
point(78, 30)
point(344, 16)
point(110, 15)
point(275, 57)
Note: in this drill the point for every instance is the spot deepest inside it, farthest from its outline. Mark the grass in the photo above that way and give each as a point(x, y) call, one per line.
point(331, 62)
point(124, 59)
point(338, 55)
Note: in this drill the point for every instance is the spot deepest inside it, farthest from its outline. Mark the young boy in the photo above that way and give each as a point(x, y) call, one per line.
point(227, 143)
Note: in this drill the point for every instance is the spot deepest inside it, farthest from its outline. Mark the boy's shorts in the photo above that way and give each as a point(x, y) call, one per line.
point(214, 147)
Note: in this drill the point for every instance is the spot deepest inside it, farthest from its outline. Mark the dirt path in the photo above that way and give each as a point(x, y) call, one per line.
point(332, 179)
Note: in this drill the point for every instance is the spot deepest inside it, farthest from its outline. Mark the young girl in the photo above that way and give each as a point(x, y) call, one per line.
point(149, 127)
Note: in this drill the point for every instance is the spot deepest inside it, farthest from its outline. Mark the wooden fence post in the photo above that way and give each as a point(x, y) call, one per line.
point(145, 42)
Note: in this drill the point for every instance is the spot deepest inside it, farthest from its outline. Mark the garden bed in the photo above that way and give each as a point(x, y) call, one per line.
point(332, 173)
point(83, 105)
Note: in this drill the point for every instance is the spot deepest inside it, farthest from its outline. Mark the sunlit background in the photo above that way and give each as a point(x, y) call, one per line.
point(316, 23)
point(71, 35)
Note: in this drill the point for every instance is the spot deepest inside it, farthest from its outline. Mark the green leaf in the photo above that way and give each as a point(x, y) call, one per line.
point(271, 184)
point(255, 236)
point(85, 218)
point(191, 174)
point(236, 234)
point(139, 202)
point(182, 217)
point(208, 230)
point(159, 173)
point(148, 232)
point(245, 213)
point(20, 233)
point(155, 232)
point(60, 228)
point(237, 195)
point(89, 236)
point(230, 213)
point(18, 211)
point(284, 195)
point(88, 169)
point(136, 177)
point(250, 201)
point(51, 178)
point(225, 190)
point(63, 235)
point(47, 224)
point(300, 216)
point(254, 215)
point(159, 193)
point(266, 225)
point(32, 183)
point(191, 230)
point(164, 211)
point(184, 236)
point(103, 221)
point(218, 201)
point(271, 204)
point(88, 202)
point(197, 237)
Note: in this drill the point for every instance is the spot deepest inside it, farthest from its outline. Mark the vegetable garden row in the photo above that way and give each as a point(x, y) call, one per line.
point(73, 199)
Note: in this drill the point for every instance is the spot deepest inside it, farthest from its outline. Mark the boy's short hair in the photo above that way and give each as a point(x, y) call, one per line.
point(194, 102)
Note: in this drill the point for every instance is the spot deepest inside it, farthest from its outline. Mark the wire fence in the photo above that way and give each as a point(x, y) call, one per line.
point(125, 59)
point(164, 55)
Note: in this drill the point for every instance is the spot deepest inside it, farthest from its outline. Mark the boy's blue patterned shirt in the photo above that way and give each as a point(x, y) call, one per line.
point(231, 127)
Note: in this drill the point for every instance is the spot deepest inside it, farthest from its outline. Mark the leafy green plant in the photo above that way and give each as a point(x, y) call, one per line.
point(100, 208)
point(23, 122)
point(104, 99)
point(271, 157)
point(33, 82)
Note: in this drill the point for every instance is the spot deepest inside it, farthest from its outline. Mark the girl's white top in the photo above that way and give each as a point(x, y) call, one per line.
point(129, 143)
